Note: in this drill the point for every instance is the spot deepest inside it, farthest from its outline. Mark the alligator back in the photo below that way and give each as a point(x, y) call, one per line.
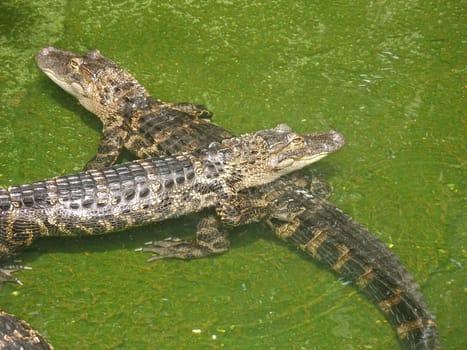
point(163, 130)
point(99, 201)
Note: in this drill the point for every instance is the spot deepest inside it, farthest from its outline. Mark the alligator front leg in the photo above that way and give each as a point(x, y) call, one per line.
point(210, 239)
point(109, 149)
point(7, 270)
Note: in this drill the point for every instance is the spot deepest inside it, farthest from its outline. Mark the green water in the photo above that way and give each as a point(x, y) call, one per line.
point(389, 75)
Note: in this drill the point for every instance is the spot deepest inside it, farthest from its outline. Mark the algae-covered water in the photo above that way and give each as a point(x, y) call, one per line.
point(389, 75)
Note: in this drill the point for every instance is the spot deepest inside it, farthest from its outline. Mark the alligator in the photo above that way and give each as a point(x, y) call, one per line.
point(149, 190)
point(294, 213)
point(348, 248)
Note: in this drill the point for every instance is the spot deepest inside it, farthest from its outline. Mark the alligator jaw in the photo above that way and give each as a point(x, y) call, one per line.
point(306, 149)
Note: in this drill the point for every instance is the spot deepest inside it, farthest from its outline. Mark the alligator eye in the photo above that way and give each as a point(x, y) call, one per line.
point(75, 63)
point(296, 141)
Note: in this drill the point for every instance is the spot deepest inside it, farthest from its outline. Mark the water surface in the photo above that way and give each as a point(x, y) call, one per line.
point(389, 75)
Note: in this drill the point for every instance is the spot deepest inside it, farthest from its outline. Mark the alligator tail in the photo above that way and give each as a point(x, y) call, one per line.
point(343, 245)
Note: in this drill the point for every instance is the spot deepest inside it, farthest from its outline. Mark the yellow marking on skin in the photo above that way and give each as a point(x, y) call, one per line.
point(129, 221)
point(198, 167)
point(151, 150)
point(85, 229)
point(343, 256)
point(4, 249)
point(314, 243)
point(107, 224)
point(62, 228)
point(155, 186)
point(366, 277)
point(9, 227)
point(288, 229)
point(30, 237)
point(52, 200)
point(11, 235)
point(386, 304)
point(102, 201)
point(405, 328)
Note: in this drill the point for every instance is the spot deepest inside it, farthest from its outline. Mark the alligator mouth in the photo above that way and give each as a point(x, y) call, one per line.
point(72, 88)
point(288, 165)
point(319, 146)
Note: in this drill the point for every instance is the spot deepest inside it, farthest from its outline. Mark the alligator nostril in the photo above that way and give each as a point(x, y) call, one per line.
point(338, 138)
point(44, 51)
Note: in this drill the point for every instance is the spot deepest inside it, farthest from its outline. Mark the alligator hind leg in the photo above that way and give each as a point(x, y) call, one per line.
point(210, 239)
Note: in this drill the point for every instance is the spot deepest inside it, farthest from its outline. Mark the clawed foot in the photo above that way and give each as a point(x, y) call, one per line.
point(209, 240)
point(6, 273)
point(174, 248)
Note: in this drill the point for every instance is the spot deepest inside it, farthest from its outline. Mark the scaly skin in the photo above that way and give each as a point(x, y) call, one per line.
point(341, 244)
point(147, 126)
point(158, 188)
point(295, 215)
point(16, 334)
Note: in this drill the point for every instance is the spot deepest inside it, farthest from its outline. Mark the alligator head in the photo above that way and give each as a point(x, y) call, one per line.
point(98, 83)
point(276, 152)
